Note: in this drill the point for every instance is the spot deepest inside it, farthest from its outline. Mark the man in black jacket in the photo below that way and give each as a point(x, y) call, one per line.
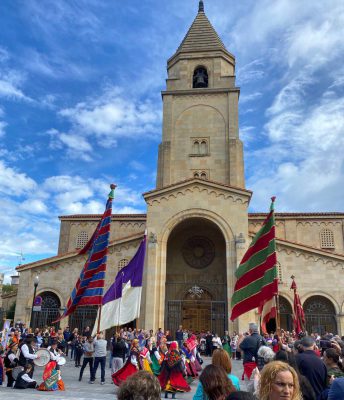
point(311, 366)
point(250, 346)
point(118, 353)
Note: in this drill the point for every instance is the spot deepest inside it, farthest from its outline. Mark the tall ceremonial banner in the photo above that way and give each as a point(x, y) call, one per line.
point(122, 301)
point(298, 313)
point(256, 275)
point(89, 288)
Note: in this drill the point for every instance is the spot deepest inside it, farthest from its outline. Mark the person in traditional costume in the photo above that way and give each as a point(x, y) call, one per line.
point(145, 360)
point(24, 380)
point(154, 355)
point(171, 376)
point(192, 346)
point(27, 354)
point(55, 354)
point(226, 343)
point(131, 366)
point(188, 360)
point(51, 378)
point(163, 349)
point(10, 362)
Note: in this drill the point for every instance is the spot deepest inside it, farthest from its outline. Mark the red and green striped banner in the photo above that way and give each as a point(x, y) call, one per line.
point(256, 275)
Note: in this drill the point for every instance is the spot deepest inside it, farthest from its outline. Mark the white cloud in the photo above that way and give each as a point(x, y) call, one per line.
point(304, 165)
point(34, 206)
point(112, 116)
point(13, 182)
point(29, 209)
point(10, 82)
point(75, 146)
point(250, 97)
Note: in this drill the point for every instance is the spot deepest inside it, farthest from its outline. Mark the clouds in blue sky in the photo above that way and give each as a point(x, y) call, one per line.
point(80, 105)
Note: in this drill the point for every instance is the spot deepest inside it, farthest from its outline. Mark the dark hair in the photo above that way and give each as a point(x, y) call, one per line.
point(140, 386)
point(334, 356)
point(215, 382)
point(288, 357)
point(240, 395)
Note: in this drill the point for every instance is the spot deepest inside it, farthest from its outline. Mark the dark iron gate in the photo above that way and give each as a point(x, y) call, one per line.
point(45, 318)
point(82, 317)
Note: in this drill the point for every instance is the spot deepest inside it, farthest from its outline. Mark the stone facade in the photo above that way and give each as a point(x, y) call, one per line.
point(197, 217)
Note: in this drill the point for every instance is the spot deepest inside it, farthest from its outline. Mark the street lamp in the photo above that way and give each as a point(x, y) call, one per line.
point(35, 284)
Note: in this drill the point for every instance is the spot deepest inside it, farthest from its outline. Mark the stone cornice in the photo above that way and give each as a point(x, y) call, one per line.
point(67, 256)
point(203, 91)
point(114, 217)
point(237, 194)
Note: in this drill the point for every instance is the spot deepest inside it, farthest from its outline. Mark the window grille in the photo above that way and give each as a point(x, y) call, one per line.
point(81, 240)
point(122, 263)
point(279, 273)
point(326, 239)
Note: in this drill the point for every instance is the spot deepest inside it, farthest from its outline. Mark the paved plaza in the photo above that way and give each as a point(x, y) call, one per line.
point(85, 391)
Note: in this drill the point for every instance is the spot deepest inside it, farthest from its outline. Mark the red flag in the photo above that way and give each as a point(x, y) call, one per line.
point(298, 315)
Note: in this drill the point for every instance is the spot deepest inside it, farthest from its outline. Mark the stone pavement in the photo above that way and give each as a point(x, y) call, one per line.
point(76, 390)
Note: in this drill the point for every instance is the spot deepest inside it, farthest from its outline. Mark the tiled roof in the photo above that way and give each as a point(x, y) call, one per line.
point(299, 214)
point(201, 36)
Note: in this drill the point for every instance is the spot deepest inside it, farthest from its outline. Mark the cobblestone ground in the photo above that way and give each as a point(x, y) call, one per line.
point(85, 391)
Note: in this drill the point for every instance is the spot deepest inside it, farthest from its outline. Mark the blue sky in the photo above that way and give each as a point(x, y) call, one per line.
point(80, 105)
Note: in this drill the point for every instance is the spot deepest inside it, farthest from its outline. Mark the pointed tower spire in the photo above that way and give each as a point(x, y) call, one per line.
point(200, 6)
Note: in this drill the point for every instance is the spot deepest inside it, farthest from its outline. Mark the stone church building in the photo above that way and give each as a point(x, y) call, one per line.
point(197, 218)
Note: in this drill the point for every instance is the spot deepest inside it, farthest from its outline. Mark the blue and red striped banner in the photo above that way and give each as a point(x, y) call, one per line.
point(88, 290)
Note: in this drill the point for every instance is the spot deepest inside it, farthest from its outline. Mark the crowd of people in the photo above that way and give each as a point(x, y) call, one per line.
point(284, 366)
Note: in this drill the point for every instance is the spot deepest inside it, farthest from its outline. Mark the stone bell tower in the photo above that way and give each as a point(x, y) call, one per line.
point(199, 206)
point(200, 111)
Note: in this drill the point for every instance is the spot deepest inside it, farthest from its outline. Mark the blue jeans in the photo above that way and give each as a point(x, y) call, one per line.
point(102, 362)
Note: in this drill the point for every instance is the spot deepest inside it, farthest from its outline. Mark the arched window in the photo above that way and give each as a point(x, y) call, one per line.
point(200, 78)
point(122, 263)
point(81, 240)
point(196, 175)
point(195, 147)
point(49, 313)
point(326, 239)
point(204, 147)
point(320, 315)
point(203, 175)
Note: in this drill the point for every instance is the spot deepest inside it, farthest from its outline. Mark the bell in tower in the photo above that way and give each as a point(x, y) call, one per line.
point(200, 78)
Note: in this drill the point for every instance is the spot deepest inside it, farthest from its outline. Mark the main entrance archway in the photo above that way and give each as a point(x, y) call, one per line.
point(196, 290)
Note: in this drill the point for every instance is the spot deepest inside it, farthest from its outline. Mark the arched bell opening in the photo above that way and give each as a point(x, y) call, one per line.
point(200, 78)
